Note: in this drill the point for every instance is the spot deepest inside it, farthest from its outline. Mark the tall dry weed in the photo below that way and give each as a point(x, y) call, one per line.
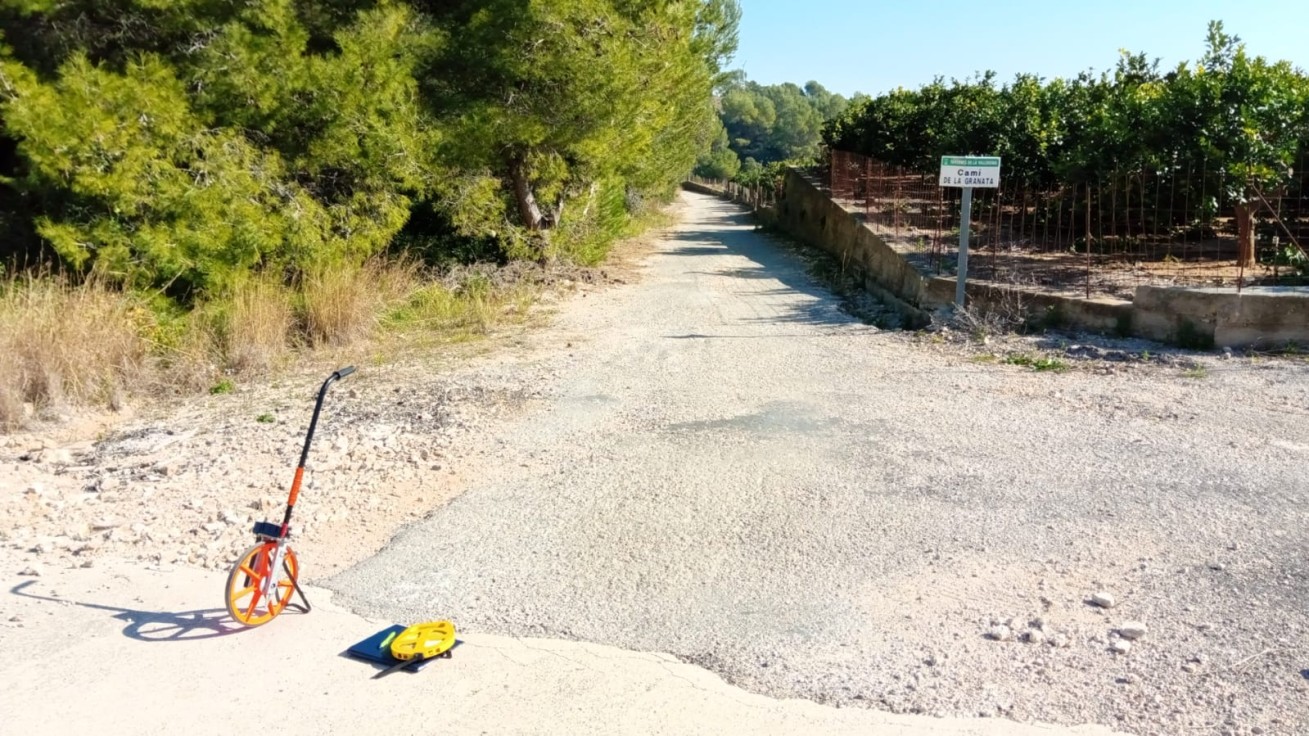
point(256, 334)
point(343, 305)
point(64, 344)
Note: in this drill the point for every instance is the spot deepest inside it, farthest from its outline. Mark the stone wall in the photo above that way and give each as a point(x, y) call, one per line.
point(1258, 317)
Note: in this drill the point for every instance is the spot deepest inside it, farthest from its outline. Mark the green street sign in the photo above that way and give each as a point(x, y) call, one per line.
point(970, 172)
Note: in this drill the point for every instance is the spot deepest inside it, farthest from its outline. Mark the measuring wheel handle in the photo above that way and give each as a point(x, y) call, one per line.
point(261, 583)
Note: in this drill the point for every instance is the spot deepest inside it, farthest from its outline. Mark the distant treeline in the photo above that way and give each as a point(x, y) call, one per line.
point(763, 127)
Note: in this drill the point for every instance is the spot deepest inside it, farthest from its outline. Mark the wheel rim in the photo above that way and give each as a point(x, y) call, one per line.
point(245, 599)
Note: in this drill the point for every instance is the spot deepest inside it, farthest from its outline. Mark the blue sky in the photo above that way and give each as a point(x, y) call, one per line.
point(876, 45)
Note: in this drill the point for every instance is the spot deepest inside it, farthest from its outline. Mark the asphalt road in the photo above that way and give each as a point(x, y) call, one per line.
point(731, 470)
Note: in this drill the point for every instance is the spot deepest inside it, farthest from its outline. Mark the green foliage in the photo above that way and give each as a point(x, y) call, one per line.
point(224, 386)
point(775, 122)
point(1223, 126)
point(179, 145)
point(149, 197)
point(552, 97)
point(1289, 255)
point(766, 128)
point(1039, 363)
point(754, 173)
point(720, 161)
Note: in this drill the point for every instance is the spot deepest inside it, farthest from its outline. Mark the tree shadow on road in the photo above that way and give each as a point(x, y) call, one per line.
point(738, 239)
point(155, 626)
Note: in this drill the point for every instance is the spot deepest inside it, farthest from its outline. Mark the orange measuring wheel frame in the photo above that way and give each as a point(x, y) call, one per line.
point(261, 583)
point(258, 588)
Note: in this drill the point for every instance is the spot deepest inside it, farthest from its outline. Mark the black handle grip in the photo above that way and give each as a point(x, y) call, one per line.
point(344, 372)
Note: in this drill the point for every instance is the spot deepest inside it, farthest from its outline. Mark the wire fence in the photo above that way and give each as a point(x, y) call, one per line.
point(1179, 227)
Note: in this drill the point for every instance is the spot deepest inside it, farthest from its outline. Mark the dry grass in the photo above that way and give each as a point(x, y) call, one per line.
point(257, 331)
point(62, 344)
point(89, 345)
point(343, 305)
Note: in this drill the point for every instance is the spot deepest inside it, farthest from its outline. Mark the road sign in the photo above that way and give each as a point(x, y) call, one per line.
point(970, 172)
point(967, 173)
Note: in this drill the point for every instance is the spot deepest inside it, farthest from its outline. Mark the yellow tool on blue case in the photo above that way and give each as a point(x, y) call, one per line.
point(419, 643)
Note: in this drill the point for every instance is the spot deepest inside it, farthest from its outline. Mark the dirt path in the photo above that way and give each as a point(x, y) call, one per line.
point(730, 469)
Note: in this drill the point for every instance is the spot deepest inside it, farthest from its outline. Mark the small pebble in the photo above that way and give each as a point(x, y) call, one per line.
point(1120, 646)
point(1104, 600)
point(1000, 633)
point(1132, 630)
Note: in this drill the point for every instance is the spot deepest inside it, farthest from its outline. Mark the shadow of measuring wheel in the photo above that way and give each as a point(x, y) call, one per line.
point(155, 626)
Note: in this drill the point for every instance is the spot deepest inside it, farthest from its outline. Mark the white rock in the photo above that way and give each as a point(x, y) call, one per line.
point(1120, 646)
point(1035, 636)
point(1059, 641)
point(31, 571)
point(214, 527)
point(1104, 600)
point(104, 523)
point(123, 535)
point(1000, 633)
point(1132, 630)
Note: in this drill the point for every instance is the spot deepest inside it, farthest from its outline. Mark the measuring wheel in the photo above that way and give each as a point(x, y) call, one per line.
point(262, 581)
point(258, 588)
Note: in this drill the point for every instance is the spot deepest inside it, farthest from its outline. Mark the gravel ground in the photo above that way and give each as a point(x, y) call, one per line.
point(181, 484)
point(729, 468)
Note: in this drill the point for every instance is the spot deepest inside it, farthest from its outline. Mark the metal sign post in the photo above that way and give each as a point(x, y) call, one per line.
point(965, 226)
point(967, 172)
